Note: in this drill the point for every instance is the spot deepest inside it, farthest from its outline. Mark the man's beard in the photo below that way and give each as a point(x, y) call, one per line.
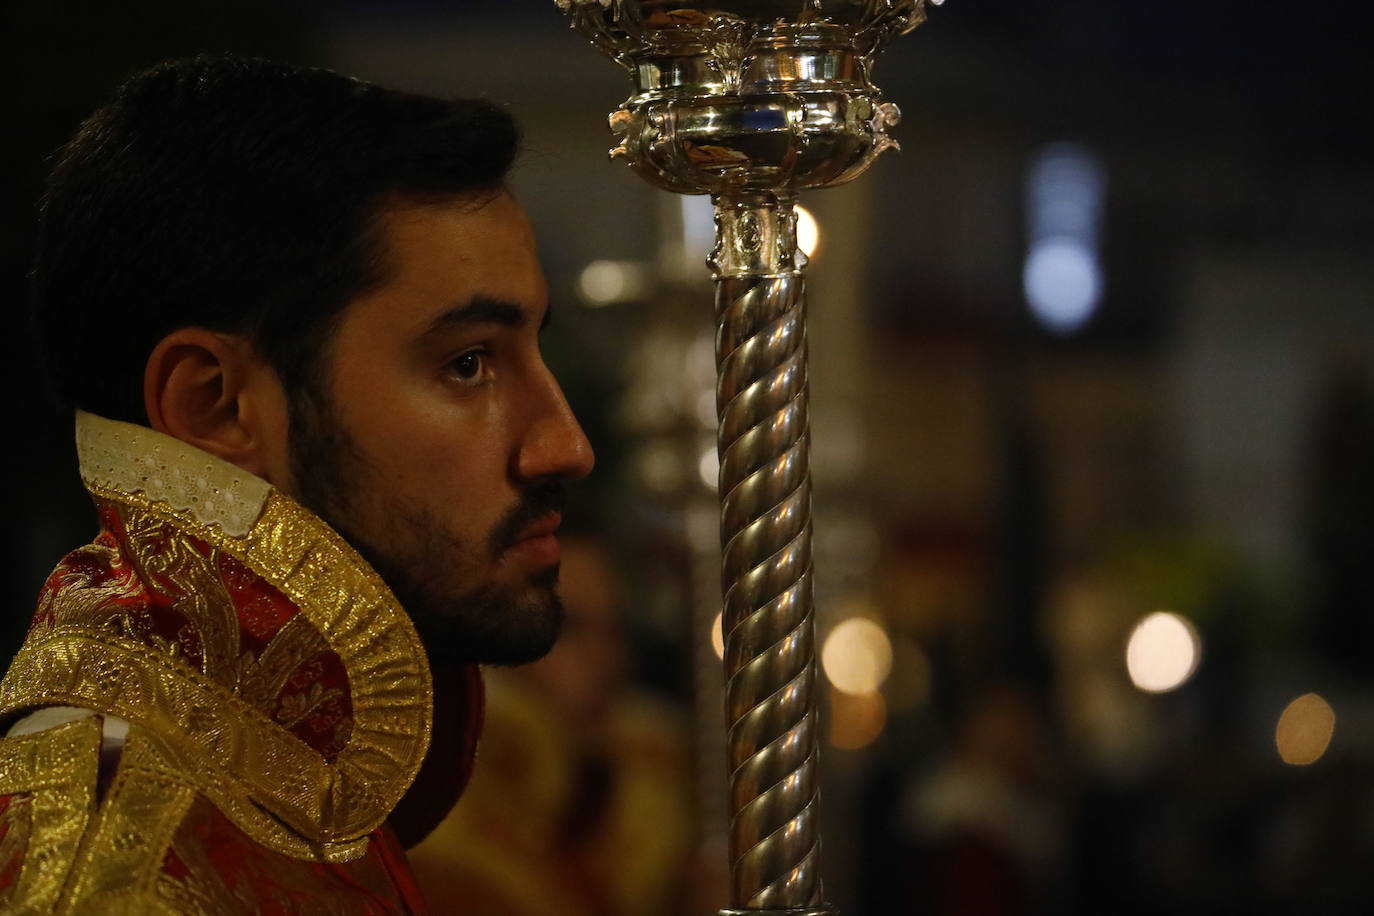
point(415, 553)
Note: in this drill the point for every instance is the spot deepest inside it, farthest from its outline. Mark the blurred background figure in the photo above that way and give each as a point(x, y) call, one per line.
point(984, 830)
point(581, 799)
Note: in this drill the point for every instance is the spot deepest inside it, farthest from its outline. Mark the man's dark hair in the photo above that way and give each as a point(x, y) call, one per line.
point(241, 196)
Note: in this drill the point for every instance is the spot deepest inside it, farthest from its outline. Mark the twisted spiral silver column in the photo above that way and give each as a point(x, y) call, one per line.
point(765, 491)
point(750, 101)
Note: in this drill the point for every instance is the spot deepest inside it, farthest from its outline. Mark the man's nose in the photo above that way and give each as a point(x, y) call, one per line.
point(554, 445)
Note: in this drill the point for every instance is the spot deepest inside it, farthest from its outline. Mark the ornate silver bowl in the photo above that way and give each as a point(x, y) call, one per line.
point(749, 95)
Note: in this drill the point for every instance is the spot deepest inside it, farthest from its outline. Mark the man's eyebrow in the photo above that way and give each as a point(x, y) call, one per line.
point(476, 311)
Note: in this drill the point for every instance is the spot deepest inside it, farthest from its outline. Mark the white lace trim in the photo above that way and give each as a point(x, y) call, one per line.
point(136, 459)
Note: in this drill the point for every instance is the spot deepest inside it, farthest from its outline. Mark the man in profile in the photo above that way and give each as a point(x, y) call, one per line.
point(298, 316)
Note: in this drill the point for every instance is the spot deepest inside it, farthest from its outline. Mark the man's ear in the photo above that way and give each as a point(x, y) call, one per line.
point(213, 391)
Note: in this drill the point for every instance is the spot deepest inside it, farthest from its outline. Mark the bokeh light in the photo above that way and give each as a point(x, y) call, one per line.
point(857, 656)
point(1163, 652)
point(1063, 283)
point(1305, 730)
point(708, 468)
point(603, 283)
point(1062, 275)
point(808, 232)
point(856, 720)
point(718, 635)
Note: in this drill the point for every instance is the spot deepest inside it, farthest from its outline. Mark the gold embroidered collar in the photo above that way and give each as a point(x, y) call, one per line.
point(278, 788)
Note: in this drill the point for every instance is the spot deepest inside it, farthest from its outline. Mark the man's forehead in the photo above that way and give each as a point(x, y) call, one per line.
point(457, 265)
point(470, 225)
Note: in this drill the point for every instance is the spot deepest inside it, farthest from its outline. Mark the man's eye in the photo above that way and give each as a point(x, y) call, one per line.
point(470, 367)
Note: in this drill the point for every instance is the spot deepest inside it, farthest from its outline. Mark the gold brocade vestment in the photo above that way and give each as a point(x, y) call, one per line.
point(277, 697)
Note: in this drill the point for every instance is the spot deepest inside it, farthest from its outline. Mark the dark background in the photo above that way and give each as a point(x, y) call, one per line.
point(1203, 444)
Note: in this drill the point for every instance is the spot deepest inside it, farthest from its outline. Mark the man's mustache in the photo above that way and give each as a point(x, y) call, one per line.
point(535, 503)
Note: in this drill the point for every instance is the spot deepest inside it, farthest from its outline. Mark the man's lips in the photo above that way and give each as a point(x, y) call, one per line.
point(547, 525)
point(538, 543)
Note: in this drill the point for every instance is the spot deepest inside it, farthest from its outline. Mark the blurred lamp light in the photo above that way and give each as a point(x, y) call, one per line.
point(1063, 283)
point(1065, 186)
point(1305, 729)
point(808, 232)
point(1162, 653)
point(1062, 276)
point(857, 656)
point(708, 466)
point(856, 721)
point(603, 283)
point(718, 635)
